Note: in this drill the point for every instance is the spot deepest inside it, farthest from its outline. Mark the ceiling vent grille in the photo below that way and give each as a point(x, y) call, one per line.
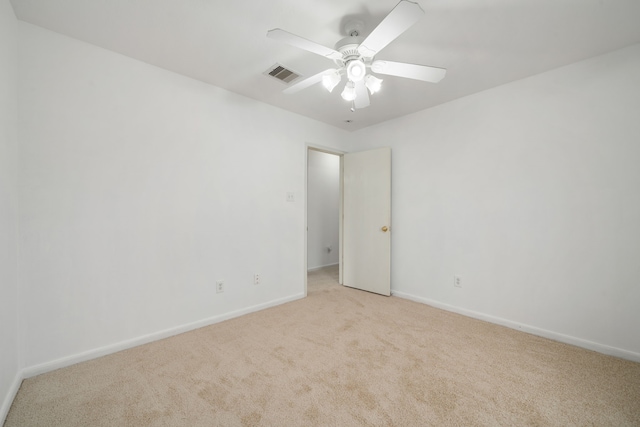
point(281, 73)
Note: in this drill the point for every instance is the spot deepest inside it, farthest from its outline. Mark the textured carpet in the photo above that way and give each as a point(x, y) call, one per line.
point(340, 357)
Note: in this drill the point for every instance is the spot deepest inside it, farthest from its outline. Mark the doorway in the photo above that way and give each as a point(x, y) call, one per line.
point(363, 217)
point(324, 199)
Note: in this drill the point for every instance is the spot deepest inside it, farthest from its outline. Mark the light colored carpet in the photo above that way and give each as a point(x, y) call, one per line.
point(339, 357)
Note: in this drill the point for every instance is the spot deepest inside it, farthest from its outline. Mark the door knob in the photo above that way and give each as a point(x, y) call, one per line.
point(384, 229)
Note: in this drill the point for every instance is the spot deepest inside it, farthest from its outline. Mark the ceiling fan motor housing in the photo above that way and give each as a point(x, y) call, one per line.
point(348, 47)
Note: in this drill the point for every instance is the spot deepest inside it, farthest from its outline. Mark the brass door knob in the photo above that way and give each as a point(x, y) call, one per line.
point(384, 229)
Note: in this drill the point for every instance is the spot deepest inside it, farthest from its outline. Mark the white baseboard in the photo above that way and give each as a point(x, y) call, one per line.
point(123, 345)
point(11, 394)
point(322, 266)
point(579, 342)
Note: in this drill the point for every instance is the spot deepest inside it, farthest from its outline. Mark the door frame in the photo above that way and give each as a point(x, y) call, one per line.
point(339, 153)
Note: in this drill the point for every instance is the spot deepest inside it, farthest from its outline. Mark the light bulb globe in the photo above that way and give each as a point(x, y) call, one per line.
point(349, 92)
point(356, 70)
point(331, 79)
point(373, 83)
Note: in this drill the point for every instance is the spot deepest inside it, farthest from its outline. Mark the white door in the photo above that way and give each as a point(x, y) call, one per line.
point(367, 221)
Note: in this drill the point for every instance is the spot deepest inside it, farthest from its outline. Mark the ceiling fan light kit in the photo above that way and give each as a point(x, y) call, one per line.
point(354, 55)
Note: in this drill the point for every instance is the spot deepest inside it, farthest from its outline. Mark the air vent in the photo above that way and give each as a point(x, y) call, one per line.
point(281, 73)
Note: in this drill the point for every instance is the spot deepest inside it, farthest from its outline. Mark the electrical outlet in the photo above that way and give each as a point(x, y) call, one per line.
point(220, 286)
point(291, 197)
point(256, 279)
point(457, 281)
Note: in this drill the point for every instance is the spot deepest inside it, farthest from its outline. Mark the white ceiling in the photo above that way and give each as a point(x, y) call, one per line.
point(482, 43)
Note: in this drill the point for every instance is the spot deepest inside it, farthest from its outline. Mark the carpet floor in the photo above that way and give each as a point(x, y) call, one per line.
point(340, 357)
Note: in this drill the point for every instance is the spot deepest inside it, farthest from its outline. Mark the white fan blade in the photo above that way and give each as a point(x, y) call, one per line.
point(303, 84)
point(362, 95)
point(399, 20)
point(410, 71)
point(304, 44)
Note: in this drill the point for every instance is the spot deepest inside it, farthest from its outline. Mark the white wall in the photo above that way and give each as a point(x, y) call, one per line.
point(140, 188)
point(323, 209)
point(9, 356)
point(531, 193)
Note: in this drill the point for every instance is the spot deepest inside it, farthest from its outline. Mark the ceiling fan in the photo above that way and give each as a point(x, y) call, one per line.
point(355, 55)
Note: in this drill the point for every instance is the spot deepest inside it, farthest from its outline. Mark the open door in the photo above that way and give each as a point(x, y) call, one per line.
point(367, 221)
